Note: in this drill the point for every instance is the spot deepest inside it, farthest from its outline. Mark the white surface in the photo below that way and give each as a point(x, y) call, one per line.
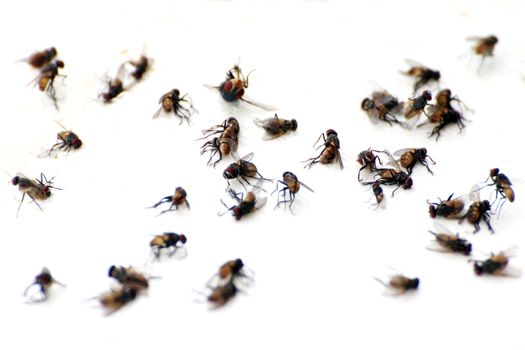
point(313, 284)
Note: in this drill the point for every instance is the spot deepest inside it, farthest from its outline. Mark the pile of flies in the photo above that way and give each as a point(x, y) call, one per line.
point(447, 242)
point(131, 284)
point(383, 107)
point(368, 159)
point(170, 242)
point(497, 265)
point(443, 113)
point(468, 207)
point(422, 74)
point(330, 151)
point(225, 143)
point(484, 47)
point(66, 140)
point(181, 106)
point(223, 285)
point(399, 284)
point(390, 176)
point(503, 188)
point(233, 88)
point(246, 203)
point(41, 58)
point(176, 200)
point(243, 169)
point(289, 185)
point(46, 79)
point(37, 189)
point(43, 282)
point(276, 127)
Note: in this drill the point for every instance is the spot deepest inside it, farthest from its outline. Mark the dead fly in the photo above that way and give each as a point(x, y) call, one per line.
point(478, 210)
point(41, 58)
point(115, 299)
point(503, 187)
point(246, 204)
point(378, 194)
point(368, 160)
point(422, 74)
point(169, 241)
point(233, 88)
point(113, 89)
point(66, 140)
point(400, 284)
point(409, 157)
point(225, 143)
point(449, 242)
point(330, 151)
point(484, 47)
point(242, 169)
point(140, 67)
point(292, 185)
point(276, 126)
point(415, 106)
point(382, 106)
point(229, 271)
point(220, 295)
point(444, 117)
point(129, 277)
point(43, 281)
point(182, 107)
point(392, 176)
point(497, 264)
point(179, 198)
point(453, 208)
point(444, 99)
point(35, 189)
point(46, 79)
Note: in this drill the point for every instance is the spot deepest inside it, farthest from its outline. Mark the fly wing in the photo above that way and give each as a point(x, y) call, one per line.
point(260, 105)
point(474, 193)
point(441, 229)
point(261, 201)
point(339, 159)
point(305, 186)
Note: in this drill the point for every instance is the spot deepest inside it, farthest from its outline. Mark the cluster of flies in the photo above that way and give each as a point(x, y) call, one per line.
point(222, 140)
point(471, 208)
point(447, 109)
point(390, 170)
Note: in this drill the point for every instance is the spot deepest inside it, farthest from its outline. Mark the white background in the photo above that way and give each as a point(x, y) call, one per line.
point(314, 270)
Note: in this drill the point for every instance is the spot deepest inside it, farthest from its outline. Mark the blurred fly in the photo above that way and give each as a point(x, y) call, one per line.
point(422, 74)
point(46, 79)
point(449, 242)
point(168, 240)
point(400, 283)
point(496, 264)
point(484, 47)
point(276, 127)
point(129, 277)
point(415, 106)
point(41, 58)
point(43, 281)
